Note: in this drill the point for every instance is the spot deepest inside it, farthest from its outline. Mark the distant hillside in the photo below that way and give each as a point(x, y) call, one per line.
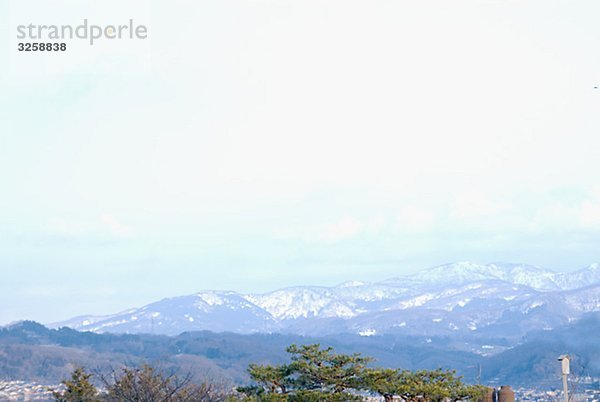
point(30, 351)
point(534, 360)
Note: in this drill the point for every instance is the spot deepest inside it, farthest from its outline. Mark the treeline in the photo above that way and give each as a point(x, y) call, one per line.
point(314, 374)
point(32, 352)
point(139, 384)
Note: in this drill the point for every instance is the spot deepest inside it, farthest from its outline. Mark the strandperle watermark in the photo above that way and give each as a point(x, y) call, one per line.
point(86, 31)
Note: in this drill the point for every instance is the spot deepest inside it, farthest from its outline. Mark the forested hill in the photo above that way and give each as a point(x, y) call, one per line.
point(30, 351)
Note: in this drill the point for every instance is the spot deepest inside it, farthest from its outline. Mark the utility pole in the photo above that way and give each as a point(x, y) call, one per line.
point(565, 369)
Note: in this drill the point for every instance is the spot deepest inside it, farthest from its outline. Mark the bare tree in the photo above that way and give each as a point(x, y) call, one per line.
point(150, 384)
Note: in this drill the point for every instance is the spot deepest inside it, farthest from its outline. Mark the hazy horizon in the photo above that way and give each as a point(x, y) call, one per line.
point(246, 290)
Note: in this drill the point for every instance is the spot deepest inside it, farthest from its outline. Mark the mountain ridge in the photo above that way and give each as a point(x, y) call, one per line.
point(466, 297)
point(34, 352)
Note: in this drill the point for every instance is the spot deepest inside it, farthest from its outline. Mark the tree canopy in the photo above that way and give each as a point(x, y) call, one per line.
point(319, 374)
point(314, 374)
point(78, 388)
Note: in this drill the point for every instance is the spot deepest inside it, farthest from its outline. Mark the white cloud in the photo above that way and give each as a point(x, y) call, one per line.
point(589, 213)
point(475, 204)
point(413, 218)
point(116, 227)
point(375, 225)
point(345, 228)
point(585, 214)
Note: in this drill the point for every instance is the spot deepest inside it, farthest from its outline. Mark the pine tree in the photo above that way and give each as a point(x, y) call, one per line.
point(423, 385)
point(315, 374)
point(78, 388)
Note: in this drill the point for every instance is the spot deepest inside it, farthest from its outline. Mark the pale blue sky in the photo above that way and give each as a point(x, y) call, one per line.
point(250, 145)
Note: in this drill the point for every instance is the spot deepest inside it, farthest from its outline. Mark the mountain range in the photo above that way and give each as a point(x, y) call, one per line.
point(486, 306)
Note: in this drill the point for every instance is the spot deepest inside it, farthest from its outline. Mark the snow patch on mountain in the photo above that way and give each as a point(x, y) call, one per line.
point(299, 302)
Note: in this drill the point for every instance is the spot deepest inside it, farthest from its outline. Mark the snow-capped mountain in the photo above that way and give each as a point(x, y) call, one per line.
point(520, 274)
point(303, 302)
point(578, 279)
point(208, 310)
point(461, 298)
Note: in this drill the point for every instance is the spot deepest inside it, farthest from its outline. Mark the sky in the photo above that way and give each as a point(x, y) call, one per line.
point(252, 145)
